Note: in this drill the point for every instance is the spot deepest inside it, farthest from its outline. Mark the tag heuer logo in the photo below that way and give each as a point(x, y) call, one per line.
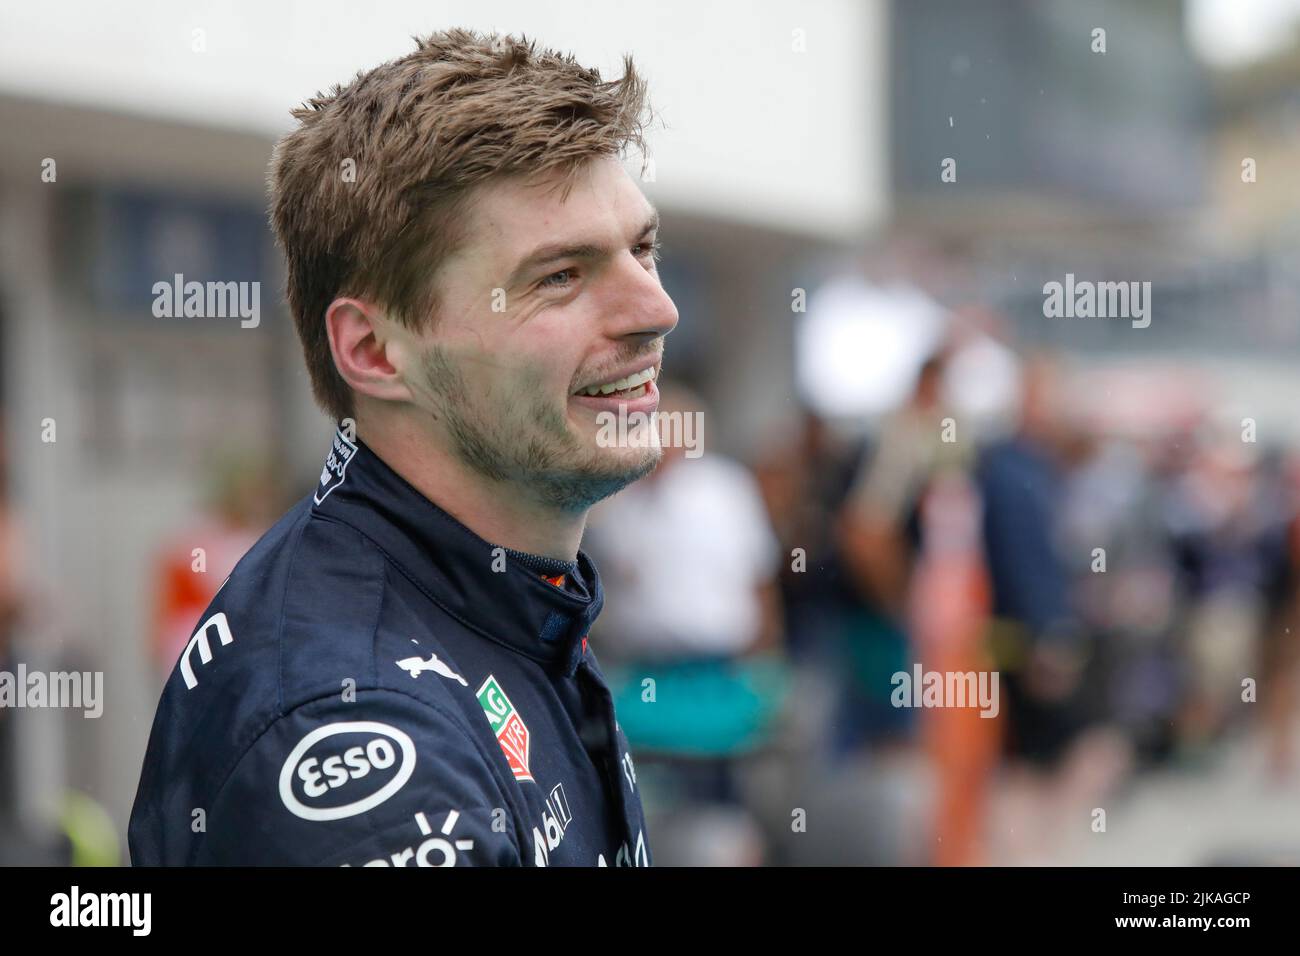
point(509, 727)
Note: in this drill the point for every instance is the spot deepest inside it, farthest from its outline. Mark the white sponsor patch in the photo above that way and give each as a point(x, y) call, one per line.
point(336, 466)
point(314, 771)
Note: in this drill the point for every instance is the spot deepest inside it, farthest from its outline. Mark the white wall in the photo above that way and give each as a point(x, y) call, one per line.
point(757, 132)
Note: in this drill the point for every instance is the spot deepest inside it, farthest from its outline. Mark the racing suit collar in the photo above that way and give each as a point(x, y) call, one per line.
point(485, 586)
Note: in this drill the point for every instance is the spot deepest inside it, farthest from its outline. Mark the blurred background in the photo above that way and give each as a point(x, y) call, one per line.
point(906, 462)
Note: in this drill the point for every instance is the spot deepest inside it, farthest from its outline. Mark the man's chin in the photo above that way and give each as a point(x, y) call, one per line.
point(612, 471)
point(620, 467)
point(636, 463)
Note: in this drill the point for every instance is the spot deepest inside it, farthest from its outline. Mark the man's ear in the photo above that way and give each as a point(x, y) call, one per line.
point(363, 345)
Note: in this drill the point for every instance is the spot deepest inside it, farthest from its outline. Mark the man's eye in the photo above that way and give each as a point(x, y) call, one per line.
point(651, 249)
point(558, 280)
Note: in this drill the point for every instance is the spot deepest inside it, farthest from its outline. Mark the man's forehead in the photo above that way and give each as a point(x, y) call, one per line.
point(512, 216)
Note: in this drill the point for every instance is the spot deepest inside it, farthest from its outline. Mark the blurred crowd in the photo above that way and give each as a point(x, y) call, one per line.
point(1133, 584)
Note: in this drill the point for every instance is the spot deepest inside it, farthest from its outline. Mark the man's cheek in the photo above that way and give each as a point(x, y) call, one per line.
point(533, 382)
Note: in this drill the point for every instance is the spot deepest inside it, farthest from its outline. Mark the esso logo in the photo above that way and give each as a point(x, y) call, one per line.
point(375, 760)
point(319, 777)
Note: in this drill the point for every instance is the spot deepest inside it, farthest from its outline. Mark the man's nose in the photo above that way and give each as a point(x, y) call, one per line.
point(641, 306)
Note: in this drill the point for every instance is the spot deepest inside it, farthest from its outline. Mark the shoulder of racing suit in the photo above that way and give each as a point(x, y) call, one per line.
point(280, 699)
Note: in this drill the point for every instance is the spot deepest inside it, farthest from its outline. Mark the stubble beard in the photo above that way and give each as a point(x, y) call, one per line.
point(522, 440)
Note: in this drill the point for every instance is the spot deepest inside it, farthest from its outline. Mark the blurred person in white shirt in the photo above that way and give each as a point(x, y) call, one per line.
point(689, 554)
point(691, 637)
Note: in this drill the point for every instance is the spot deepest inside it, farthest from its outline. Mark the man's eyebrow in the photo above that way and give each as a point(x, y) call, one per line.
point(557, 251)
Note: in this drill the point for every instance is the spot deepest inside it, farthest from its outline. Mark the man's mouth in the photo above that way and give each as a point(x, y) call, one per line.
point(623, 389)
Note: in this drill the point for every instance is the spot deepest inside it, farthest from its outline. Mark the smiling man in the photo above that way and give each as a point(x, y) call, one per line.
point(398, 673)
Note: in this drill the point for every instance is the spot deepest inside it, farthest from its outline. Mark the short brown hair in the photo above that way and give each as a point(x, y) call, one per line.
point(421, 133)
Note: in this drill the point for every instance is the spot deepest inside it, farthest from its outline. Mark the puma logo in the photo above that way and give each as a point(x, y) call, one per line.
point(415, 665)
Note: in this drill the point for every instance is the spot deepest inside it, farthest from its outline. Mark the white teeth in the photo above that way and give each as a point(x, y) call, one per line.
point(630, 381)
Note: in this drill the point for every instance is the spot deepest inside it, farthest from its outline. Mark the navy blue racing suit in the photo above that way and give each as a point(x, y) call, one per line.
point(374, 684)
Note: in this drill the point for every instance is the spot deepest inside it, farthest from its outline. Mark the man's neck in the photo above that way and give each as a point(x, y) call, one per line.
point(498, 512)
